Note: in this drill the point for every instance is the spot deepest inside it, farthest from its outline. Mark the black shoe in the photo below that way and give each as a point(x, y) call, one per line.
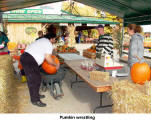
point(42, 96)
point(39, 104)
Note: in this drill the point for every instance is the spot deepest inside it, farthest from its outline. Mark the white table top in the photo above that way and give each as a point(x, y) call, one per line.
point(71, 56)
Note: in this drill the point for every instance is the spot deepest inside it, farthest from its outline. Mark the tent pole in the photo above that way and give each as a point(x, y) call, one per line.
point(1, 22)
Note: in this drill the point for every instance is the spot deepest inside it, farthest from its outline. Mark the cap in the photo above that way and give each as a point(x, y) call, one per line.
point(100, 26)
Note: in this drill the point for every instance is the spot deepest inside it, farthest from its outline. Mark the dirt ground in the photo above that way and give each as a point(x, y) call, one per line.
point(79, 99)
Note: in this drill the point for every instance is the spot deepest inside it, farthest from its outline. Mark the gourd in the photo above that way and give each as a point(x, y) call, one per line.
point(11, 45)
point(50, 69)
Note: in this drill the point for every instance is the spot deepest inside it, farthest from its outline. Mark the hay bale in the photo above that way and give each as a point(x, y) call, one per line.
point(129, 97)
point(8, 91)
point(98, 75)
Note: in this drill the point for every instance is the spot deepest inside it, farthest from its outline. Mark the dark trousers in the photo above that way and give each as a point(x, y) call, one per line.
point(33, 76)
point(22, 72)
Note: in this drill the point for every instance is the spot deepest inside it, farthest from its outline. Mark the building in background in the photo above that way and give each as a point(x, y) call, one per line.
point(22, 25)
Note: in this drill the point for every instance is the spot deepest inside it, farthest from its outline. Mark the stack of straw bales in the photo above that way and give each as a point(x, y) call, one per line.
point(129, 97)
point(8, 99)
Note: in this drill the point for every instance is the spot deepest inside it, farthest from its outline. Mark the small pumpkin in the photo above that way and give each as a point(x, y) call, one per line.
point(94, 51)
point(140, 73)
point(50, 69)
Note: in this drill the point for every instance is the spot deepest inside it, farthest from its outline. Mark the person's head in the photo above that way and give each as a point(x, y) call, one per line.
point(100, 29)
point(133, 28)
point(51, 29)
point(40, 33)
point(117, 27)
point(67, 34)
point(51, 37)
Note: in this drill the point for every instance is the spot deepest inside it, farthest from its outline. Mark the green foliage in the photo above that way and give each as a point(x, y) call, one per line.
point(85, 32)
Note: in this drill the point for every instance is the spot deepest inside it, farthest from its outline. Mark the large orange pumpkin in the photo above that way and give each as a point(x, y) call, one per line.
point(50, 69)
point(150, 72)
point(140, 73)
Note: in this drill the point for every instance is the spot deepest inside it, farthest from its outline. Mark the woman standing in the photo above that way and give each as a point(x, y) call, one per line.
point(136, 46)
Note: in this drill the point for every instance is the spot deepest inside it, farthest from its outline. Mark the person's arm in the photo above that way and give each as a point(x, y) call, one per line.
point(134, 47)
point(110, 46)
point(5, 40)
point(54, 52)
point(50, 60)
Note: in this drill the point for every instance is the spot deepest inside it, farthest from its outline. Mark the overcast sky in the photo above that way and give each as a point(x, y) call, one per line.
point(146, 28)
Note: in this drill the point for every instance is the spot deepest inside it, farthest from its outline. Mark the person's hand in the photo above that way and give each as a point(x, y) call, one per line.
point(57, 64)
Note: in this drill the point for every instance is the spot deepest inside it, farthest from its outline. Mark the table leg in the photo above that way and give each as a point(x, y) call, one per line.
point(76, 81)
point(99, 107)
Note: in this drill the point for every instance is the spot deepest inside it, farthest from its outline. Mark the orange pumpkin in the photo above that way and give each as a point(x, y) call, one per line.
point(150, 72)
point(94, 51)
point(50, 69)
point(74, 50)
point(64, 46)
point(140, 73)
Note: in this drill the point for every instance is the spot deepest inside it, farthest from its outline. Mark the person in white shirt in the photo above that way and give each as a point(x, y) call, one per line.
point(31, 59)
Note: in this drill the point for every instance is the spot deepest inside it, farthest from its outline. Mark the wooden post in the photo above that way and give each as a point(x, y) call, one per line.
point(1, 22)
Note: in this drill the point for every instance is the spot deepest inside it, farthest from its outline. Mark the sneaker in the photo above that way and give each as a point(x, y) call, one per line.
point(42, 96)
point(39, 104)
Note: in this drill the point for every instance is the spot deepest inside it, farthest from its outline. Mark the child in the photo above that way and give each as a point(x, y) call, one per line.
point(22, 73)
point(23, 77)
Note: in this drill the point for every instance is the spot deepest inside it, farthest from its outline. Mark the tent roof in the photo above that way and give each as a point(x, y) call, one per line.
point(133, 11)
point(51, 18)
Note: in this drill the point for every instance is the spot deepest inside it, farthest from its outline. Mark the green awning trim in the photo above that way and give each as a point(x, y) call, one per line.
point(53, 19)
point(132, 11)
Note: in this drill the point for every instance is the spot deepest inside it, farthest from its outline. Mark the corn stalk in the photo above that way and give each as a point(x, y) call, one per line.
point(117, 36)
point(71, 30)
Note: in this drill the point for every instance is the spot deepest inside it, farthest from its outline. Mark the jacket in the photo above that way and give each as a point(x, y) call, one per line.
point(136, 48)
